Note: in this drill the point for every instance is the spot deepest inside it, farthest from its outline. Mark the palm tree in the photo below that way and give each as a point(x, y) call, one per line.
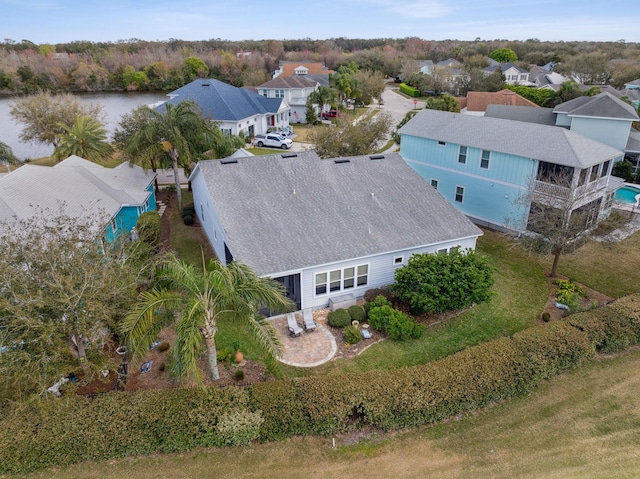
point(181, 132)
point(86, 138)
point(200, 298)
point(321, 97)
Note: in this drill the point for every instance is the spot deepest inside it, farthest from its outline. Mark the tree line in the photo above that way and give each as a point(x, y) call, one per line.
point(139, 65)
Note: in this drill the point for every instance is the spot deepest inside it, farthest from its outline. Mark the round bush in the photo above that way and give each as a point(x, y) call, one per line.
point(356, 312)
point(339, 318)
point(238, 375)
point(352, 334)
point(188, 220)
point(163, 346)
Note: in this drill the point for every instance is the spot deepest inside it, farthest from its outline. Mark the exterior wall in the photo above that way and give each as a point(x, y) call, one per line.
point(491, 196)
point(381, 270)
point(127, 217)
point(610, 132)
point(208, 216)
point(562, 119)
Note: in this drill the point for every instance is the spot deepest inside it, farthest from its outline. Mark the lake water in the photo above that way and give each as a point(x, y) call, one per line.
point(114, 105)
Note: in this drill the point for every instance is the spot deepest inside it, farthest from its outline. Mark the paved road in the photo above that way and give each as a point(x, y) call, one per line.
point(397, 105)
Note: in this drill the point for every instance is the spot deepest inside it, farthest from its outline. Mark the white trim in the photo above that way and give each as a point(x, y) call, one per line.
point(455, 194)
point(327, 283)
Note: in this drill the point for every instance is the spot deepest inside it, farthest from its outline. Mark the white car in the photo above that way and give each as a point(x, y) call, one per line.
point(273, 140)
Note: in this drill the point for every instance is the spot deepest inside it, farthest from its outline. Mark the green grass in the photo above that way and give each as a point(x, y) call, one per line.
point(188, 242)
point(584, 424)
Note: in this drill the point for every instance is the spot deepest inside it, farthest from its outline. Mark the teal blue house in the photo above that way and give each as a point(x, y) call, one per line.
point(487, 167)
point(75, 187)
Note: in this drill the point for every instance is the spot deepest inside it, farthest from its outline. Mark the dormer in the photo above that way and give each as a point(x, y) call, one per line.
point(301, 70)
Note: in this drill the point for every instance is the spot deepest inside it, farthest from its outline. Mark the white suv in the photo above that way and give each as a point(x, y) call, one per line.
point(273, 140)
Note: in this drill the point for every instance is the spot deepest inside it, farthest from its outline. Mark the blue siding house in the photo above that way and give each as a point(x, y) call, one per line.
point(326, 229)
point(75, 187)
point(486, 166)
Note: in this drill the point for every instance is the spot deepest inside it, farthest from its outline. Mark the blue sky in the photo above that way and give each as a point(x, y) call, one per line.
point(57, 21)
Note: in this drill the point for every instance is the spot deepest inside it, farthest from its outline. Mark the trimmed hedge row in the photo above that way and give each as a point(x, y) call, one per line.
point(76, 429)
point(409, 90)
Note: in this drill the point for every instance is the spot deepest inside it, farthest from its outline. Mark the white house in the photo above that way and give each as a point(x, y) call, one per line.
point(326, 229)
point(295, 90)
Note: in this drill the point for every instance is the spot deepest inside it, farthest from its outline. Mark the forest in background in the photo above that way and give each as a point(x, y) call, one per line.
point(137, 65)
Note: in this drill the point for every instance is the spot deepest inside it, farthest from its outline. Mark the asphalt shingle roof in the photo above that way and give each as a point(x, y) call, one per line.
point(283, 213)
point(603, 105)
point(75, 186)
point(528, 114)
point(223, 102)
point(295, 81)
point(541, 142)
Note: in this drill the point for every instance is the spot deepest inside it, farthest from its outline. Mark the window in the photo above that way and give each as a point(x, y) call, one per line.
point(349, 280)
point(442, 251)
point(605, 168)
point(226, 131)
point(434, 183)
point(583, 176)
point(215, 235)
point(263, 92)
point(146, 205)
point(321, 283)
point(114, 225)
point(523, 77)
point(484, 159)
point(279, 93)
point(442, 143)
point(462, 155)
point(594, 173)
point(334, 280)
point(459, 194)
point(341, 279)
point(363, 273)
point(202, 213)
point(398, 260)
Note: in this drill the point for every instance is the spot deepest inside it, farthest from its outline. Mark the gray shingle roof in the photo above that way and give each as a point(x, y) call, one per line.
point(633, 143)
point(223, 102)
point(603, 105)
point(295, 81)
point(529, 114)
point(77, 186)
point(634, 82)
point(286, 213)
point(541, 142)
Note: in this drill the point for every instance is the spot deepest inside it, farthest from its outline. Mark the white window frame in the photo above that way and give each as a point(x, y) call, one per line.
point(464, 155)
point(442, 143)
point(487, 159)
point(114, 224)
point(398, 261)
point(435, 183)
point(455, 195)
point(348, 278)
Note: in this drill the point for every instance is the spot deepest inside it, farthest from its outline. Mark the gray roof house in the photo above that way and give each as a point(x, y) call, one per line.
point(236, 110)
point(484, 165)
point(294, 89)
point(325, 228)
point(75, 187)
point(513, 74)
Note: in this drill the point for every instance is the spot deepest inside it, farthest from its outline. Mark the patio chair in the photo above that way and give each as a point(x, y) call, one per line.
point(294, 329)
point(308, 322)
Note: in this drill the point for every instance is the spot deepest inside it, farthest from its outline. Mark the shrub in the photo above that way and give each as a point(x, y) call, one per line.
point(188, 220)
point(442, 282)
point(380, 316)
point(356, 312)
point(188, 210)
point(339, 318)
point(569, 293)
point(238, 375)
point(409, 90)
point(351, 334)
point(546, 317)
point(224, 355)
point(394, 323)
point(376, 301)
point(239, 428)
point(163, 346)
point(373, 293)
point(148, 227)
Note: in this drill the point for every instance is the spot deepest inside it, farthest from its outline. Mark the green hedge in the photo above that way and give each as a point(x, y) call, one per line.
point(75, 429)
point(409, 90)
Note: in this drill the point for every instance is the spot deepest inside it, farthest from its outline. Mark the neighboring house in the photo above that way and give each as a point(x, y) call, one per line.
point(324, 228)
point(237, 111)
point(295, 90)
point(632, 92)
point(513, 74)
point(79, 188)
point(477, 101)
point(486, 166)
point(425, 66)
point(541, 78)
point(288, 69)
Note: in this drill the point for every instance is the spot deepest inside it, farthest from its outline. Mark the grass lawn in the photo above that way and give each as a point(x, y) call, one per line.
point(584, 424)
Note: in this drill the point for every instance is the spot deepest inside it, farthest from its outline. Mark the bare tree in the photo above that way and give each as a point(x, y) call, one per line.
point(564, 205)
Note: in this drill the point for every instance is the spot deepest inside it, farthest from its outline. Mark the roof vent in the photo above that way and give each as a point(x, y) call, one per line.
point(228, 162)
point(206, 84)
point(343, 160)
point(290, 155)
point(377, 157)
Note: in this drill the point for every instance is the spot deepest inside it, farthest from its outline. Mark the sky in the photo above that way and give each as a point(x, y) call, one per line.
point(60, 21)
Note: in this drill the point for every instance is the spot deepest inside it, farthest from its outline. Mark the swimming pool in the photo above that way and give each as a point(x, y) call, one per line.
point(627, 194)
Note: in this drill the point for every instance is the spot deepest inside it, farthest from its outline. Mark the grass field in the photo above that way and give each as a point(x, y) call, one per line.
point(584, 424)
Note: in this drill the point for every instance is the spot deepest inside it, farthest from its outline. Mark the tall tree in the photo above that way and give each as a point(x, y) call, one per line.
point(6, 155)
point(63, 291)
point(86, 138)
point(200, 297)
point(180, 131)
point(503, 55)
point(44, 115)
point(321, 97)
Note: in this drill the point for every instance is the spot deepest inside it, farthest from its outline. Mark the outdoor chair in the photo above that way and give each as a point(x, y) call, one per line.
point(308, 322)
point(294, 329)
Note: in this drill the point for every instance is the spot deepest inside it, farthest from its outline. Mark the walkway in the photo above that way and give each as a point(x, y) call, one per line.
point(307, 350)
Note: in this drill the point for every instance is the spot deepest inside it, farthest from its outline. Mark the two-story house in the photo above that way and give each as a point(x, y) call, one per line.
point(486, 166)
point(294, 89)
point(513, 74)
point(237, 111)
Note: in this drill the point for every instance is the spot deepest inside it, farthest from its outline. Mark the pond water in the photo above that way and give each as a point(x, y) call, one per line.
point(114, 105)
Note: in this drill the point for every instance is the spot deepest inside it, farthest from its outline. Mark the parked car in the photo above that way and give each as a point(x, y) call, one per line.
point(326, 115)
point(273, 140)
